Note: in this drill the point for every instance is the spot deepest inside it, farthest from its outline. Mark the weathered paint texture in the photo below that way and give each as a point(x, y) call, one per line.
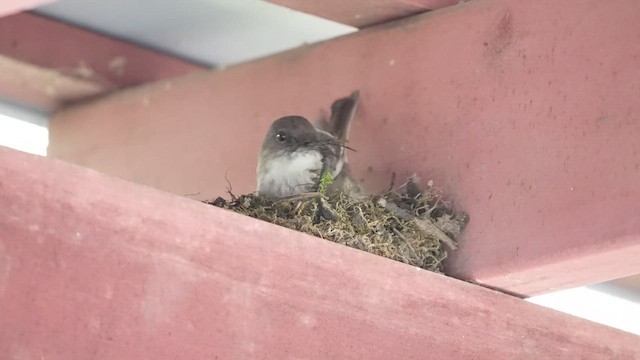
point(9, 7)
point(363, 13)
point(524, 112)
point(93, 267)
point(48, 64)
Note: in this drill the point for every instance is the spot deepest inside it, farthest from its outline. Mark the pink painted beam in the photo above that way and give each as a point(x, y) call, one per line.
point(73, 55)
point(41, 87)
point(525, 113)
point(363, 13)
point(9, 7)
point(93, 267)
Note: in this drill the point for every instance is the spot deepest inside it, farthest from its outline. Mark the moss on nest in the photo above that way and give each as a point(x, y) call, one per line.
point(406, 224)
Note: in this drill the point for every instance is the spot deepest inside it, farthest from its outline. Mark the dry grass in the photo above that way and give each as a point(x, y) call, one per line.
point(407, 224)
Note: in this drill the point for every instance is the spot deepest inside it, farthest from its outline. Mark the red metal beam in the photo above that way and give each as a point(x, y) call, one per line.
point(41, 87)
point(93, 267)
point(525, 113)
point(76, 56)
point(9, 7)
point(363, 13)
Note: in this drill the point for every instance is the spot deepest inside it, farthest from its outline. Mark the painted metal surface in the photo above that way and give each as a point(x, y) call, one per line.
point(9, 7)
point(363, 13)
point(47, 63)
point(93, 267)
point(43, 88)
point(523, 112)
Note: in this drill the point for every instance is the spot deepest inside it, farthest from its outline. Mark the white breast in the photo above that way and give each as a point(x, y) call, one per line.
point(289, 174)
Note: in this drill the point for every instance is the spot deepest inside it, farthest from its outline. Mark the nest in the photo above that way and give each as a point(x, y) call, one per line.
point(406, 224)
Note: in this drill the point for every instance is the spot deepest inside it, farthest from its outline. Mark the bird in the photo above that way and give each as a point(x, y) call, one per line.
point(296, 154)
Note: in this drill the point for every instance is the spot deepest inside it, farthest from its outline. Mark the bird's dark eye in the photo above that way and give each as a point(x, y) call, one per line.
point(281, 137)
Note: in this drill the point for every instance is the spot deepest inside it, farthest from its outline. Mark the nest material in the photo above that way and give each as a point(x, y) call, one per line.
point(406, 224)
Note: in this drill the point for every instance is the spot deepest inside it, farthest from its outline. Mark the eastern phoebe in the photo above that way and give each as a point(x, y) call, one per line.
point(295, 154)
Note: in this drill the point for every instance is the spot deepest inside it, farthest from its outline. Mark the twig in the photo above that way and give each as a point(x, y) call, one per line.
point(413, 252)
point(427, 225)
point(433, 207)
point(302, 196)
point(229, 188)
point(396, 210)
point(397, 188)
point(393, 181)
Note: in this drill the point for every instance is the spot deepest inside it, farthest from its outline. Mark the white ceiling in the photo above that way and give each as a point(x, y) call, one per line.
point(212, 32)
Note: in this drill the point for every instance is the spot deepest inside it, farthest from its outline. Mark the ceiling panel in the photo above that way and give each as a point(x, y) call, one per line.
point(212, 32)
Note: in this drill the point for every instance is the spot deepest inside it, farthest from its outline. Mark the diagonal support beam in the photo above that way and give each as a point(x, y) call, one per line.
point(525, 113)
point(93, 267)
point(48, 63)
point(41, 87)
point(363, 13)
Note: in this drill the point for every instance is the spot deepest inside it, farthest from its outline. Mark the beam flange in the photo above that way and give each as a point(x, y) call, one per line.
point(363, 13)
point(93, 267)
point(41, 87)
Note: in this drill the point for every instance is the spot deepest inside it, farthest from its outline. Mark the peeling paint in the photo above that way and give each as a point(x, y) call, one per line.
point(118, 65)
